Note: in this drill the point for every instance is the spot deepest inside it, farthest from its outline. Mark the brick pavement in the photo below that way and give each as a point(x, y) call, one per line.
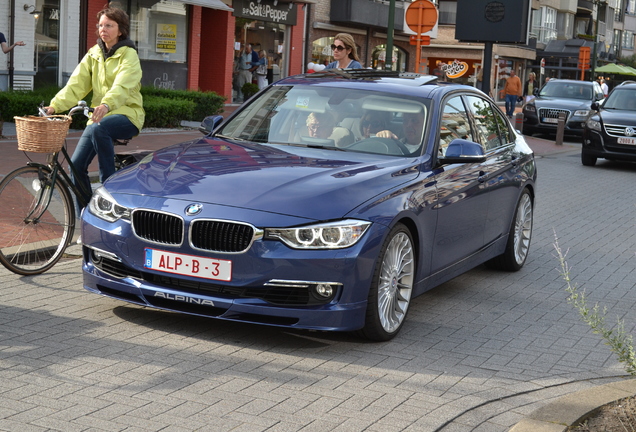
point(478, 353)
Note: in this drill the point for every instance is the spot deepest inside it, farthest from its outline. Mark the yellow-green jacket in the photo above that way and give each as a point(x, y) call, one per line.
point(115, 81)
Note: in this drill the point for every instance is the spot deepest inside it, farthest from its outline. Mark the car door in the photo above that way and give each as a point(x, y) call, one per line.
point(502, 184)
point(462, 205)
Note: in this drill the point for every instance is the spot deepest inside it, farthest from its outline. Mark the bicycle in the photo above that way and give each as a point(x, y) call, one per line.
point(38, 211)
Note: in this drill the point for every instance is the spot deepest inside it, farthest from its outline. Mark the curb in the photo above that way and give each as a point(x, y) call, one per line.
point(571, 409)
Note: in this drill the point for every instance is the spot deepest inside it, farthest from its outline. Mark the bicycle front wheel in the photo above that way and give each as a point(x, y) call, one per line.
point(37, 220)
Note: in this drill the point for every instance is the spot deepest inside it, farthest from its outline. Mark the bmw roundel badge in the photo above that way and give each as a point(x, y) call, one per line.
point(194, 209)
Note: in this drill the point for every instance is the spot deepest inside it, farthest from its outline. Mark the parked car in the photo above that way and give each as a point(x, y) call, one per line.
point(293, 212)
point(610, 133)
point(570, 97)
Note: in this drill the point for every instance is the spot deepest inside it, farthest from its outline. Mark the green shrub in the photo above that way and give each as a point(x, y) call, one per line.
point(249, 90)
point(206, 103)
point(166, 113)
point(164, 108)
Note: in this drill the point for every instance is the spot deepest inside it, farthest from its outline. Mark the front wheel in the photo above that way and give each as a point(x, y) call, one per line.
point(37, 220)
point(588, 160)
point(518, 245)
point(392, 286)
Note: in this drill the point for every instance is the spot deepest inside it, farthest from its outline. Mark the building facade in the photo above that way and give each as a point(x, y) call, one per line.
point(192, 44)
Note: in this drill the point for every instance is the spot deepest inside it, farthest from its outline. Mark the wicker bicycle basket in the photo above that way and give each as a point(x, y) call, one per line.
point(42, 134)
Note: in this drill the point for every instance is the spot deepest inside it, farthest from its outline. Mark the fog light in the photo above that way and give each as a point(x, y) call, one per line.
point(324, 290)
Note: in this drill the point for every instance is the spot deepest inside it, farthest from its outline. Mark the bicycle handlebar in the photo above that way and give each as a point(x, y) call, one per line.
point(81, 106)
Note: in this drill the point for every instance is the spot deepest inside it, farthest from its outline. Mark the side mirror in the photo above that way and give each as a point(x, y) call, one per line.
point(594, 105)
point(210, 123)
point(463, 151)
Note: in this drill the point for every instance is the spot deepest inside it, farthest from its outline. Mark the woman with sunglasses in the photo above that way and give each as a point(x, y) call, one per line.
point(345, 53)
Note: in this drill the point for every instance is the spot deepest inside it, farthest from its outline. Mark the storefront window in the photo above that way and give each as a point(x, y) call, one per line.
point(46, 44)
point(321, 51)
point(160, 30)
point(378, 58)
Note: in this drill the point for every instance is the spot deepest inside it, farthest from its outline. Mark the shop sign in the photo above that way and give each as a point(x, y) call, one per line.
point(455, 69)
point(265, 11)
point(166, 38)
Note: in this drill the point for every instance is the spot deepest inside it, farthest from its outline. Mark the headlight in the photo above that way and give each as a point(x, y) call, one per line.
point(593, 124)
point(581, 113)
point(332, 235)
point(530, 108)
point(104, 206)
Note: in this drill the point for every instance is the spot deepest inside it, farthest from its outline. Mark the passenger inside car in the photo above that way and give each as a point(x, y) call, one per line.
point(323, 126)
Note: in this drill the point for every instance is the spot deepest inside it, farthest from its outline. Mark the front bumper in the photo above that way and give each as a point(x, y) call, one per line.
point(271, 283)
point(532, 124)
point(605, 146)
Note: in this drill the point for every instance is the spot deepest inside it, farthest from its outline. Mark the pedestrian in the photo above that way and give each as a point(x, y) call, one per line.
point(245, 66)
point(6, 48)
point(112, 72)
point(261, 70)
point(604, 87)
point(512, 91)
point(345, 53)
point(530, 88)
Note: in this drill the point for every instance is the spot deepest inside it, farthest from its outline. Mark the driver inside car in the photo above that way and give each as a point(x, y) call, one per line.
point(412, 124)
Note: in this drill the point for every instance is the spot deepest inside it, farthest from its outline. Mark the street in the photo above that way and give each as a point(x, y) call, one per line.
point(478, 353)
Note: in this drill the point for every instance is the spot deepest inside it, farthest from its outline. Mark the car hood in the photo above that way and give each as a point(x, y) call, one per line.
point(618, 117)
point(298, 181)
point(571, 104)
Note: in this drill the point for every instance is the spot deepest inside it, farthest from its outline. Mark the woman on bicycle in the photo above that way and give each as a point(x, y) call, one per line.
point(111, 70)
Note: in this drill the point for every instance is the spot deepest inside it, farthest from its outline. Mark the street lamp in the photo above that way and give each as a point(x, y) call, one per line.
point(598, 4)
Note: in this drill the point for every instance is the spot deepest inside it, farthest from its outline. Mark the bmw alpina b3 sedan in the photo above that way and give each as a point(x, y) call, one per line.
point(328, 201)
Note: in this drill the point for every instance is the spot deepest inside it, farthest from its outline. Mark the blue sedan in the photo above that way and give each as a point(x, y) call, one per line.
point(328, 201)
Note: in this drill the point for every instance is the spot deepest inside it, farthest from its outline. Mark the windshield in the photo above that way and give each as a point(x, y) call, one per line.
point(566, 90)
point(623, 99)
point(332, 118)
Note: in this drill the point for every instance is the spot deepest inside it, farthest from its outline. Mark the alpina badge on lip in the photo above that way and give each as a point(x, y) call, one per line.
point(194, 209)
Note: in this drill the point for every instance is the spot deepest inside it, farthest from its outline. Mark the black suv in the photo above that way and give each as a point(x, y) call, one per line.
point(572, 97)
point(610, 132)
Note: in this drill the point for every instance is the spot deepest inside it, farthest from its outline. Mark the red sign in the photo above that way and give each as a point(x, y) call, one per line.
point(421, 16)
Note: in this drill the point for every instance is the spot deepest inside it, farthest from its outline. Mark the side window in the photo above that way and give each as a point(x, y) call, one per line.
point(491, 129)
point(454, 124)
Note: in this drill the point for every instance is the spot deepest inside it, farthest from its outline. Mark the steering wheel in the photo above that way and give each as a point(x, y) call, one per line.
point(381, 145)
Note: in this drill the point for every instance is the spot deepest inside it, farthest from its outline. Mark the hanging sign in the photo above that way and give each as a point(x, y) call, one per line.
point(265, 10)
point(166, 41)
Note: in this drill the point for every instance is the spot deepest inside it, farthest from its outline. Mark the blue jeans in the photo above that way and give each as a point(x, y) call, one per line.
point(511, 102)
point(97, 139)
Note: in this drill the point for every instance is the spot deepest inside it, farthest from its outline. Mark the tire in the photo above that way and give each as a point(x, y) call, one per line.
point(29, 247)
point(518, 245)
point(391, 287)
point(587, 159)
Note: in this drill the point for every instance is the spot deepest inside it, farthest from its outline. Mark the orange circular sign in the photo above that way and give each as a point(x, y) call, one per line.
point(421, 16)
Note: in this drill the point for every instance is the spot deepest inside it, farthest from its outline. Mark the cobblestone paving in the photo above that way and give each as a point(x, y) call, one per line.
point(478, 353)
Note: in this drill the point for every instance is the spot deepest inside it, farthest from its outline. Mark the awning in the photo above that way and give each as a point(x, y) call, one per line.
point(613, 68)
point(212, 4)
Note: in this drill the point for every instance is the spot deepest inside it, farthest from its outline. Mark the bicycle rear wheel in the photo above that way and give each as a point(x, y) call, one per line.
point(37, 220)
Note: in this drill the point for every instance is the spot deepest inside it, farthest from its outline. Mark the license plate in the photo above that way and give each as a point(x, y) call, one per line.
point(628, 141)
point(188, 265)
point(550, 120)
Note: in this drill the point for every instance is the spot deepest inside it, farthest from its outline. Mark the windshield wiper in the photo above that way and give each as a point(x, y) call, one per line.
point(324, 147)
point(230, 137)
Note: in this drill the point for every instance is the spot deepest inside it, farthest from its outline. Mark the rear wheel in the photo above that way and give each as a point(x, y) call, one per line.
point(392, 286)
point(514, 257)
point(37, 220)
point(588, 160)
